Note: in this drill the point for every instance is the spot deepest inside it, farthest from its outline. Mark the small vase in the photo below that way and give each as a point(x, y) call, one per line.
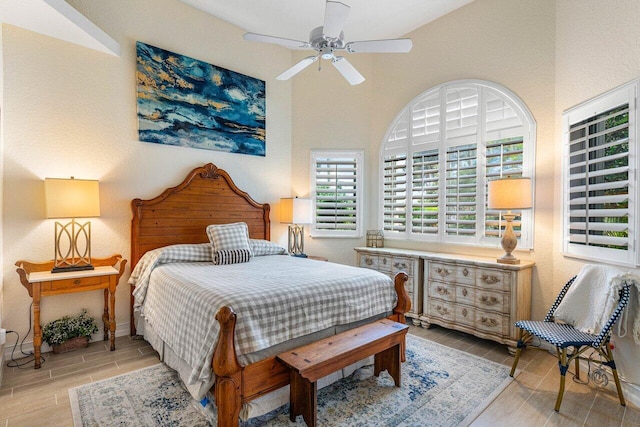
point(71, 345)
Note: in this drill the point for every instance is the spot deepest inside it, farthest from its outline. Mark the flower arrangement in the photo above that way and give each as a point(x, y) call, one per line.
point(68, 327)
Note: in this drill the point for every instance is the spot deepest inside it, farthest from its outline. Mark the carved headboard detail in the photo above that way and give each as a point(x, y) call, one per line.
point(181, 214)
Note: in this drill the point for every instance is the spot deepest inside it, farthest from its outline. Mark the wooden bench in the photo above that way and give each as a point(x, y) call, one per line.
point(383, 338)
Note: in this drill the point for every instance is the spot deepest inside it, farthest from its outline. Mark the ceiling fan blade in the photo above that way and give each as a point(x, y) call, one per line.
point(380, 46)
point(297, 68)
point(347, 70)
point(291, 44)
point(335, 16)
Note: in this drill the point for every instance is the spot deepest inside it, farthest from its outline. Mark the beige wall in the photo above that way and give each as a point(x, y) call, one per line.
point(498, 40)
point(69, 110)
point(597, 49)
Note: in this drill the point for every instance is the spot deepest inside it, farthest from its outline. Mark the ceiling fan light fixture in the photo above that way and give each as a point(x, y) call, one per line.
point(329, 38)
point(326, 53)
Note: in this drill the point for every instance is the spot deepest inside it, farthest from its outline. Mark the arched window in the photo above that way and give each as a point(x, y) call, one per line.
point(438, 155)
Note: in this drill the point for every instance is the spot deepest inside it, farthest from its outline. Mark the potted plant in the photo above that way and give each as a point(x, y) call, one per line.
point(70, 333)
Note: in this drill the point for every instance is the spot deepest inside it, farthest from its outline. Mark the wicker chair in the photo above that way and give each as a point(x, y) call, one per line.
point(565, 337)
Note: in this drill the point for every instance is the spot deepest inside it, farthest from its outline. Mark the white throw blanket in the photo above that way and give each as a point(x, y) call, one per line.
point(591, 299)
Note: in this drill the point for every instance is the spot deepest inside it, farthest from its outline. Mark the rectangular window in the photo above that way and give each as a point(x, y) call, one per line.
point(337, 192)
point(599, 190)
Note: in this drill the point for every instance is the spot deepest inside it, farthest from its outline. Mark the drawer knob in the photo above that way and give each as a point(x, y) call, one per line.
point(487, 321)
point(76, 282)
point(489, 300)
point(368, 261)
point(490, 279)
point(464, 293)
point(384, 261)
point(465, 272)
point(464, 312)
point(400, 265)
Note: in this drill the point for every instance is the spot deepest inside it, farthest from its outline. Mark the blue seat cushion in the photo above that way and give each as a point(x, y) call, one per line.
point(559, 334)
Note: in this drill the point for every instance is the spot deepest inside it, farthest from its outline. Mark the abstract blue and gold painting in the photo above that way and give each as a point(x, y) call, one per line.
point(186, 102)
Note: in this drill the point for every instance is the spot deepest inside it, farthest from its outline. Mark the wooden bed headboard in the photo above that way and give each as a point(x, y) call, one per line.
point(181, 214)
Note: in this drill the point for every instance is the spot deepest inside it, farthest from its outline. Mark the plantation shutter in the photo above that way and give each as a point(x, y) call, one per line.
point(395, 193)
point(461, 190)
point(504, 158)
point(439, 153)
point(337, 194)
point(425, 192)
point(599, 180)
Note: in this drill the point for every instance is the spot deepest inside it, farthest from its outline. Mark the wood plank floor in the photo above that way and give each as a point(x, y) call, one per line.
point(31, 397)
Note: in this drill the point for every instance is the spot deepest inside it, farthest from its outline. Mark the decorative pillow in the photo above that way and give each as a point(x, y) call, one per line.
point(231, 256)
point(229, 237)
point(261, 247)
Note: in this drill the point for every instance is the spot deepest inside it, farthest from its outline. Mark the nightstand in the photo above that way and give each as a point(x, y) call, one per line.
point(40, 282)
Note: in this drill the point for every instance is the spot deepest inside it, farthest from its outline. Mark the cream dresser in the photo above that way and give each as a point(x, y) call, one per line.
point(391, 261)
point(467, 293)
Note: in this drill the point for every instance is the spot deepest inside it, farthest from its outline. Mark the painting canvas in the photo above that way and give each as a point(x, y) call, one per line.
point(190, 103)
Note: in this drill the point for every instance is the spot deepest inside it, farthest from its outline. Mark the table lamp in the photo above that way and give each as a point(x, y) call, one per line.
point(296, 212)
point(72, 198)
point(506, 194)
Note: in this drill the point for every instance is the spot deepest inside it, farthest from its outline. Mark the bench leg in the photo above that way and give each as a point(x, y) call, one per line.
point(389, 360)
point(303, 398)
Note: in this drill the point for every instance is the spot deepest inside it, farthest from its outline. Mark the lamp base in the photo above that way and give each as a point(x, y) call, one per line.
point(505, 260)
point(72, 268)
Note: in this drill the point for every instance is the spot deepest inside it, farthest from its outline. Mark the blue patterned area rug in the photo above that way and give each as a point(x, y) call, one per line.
point(441, 386)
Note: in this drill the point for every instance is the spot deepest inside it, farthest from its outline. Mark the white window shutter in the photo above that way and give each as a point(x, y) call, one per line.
point(439, 153)
point(599, 215)
point(337, 180)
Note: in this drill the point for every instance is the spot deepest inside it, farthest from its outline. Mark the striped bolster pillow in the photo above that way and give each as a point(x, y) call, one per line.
point(231, 256)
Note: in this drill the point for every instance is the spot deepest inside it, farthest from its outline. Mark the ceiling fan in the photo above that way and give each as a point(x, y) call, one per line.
point(328, 39)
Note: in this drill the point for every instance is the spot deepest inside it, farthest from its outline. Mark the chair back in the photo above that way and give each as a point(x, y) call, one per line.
point(625, 293)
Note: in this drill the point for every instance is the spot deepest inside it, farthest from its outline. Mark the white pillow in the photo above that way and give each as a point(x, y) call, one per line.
point(261, 247)
point(229, 237)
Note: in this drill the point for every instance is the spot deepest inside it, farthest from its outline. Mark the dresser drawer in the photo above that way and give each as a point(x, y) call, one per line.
point(460, 274)
point(492, 301)
point(399, 264)
point(490, 322)
point(465, 315)
point(465, 295)
point(493, 279)
point(368, 261)
point(59, 285)
point(442, 309)
point(442, 290)
point(384, 263)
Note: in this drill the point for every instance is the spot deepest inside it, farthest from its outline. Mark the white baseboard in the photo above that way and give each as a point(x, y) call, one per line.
point(122, 329)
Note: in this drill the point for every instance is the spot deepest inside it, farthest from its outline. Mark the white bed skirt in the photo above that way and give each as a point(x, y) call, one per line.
point(263, 404)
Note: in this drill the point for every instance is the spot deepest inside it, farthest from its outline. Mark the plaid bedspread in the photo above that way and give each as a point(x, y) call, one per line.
point(276, 298)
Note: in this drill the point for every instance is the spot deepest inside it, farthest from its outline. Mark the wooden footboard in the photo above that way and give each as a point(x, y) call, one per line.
point(236, 384)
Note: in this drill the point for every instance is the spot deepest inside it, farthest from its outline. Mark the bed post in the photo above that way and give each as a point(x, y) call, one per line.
point(227, 370)
point(404, 302)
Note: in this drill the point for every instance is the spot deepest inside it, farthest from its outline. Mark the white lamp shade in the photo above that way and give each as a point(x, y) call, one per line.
point(509, 193)
point(295, 211)
point(71, 198)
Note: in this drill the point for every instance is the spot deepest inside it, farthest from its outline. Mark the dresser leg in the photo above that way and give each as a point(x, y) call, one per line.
point(37, 332)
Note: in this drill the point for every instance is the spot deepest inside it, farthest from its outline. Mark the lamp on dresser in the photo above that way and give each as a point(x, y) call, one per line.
point(296, 212)
point(72, 198)
point(506, 194)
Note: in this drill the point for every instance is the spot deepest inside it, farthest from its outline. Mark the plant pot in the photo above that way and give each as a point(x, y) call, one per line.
point(71, 345)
